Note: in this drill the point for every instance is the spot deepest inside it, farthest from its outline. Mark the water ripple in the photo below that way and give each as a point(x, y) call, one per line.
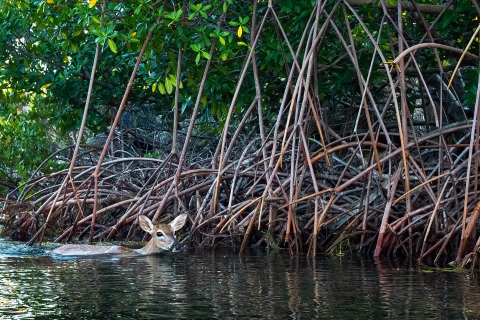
point(219, 284)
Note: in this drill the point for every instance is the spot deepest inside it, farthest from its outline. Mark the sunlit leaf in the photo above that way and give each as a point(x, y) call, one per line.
point(161, 88)
point(240, 31)
point(194, 47)
point(112, 45)
point(172, 78)
point(168, 86)
point(92, 3)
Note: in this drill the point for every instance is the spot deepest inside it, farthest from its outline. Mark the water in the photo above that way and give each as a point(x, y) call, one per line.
point(218, 284)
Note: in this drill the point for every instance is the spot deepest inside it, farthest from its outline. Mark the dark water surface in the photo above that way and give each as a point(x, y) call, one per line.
point(218, 284)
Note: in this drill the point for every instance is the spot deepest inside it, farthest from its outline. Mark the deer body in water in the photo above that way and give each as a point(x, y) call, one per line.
point(163, 238)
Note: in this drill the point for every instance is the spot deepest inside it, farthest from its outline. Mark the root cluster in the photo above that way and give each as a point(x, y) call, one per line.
point(330, 175)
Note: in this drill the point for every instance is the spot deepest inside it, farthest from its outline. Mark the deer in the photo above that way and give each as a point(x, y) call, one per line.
point(163, 238)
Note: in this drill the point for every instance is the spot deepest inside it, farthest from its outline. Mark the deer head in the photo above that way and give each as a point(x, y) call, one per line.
point(163, 235)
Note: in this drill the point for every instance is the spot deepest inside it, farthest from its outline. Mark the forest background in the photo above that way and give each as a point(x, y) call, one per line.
point(314, 125)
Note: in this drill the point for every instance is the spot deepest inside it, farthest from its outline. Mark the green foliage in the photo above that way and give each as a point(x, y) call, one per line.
point(47, 49)
point(23, 141)
point(151, 154)
point(471, 81)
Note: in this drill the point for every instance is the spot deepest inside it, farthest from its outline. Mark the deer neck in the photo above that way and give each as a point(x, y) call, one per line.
point(149, 248)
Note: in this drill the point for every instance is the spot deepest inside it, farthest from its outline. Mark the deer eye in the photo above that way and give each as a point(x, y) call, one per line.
point(159, 234)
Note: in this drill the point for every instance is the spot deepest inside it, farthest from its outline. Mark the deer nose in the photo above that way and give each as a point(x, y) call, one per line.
point(175, 247)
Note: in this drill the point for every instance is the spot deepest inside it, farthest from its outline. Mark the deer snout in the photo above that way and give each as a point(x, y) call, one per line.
point(175, 247)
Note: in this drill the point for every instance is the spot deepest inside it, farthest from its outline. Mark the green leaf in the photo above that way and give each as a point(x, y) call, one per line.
point(161, 88)
point(197, 59)
point(185, 104)
point(206, 55)
point(449, 17)
point(112, 45)
point(168, 86)
point(173, 79)
point(138, 9)
point(178, 14)
point(170, 16)
point(100, 40)
point(222, 40)
point(96, 32)
point(194, 47)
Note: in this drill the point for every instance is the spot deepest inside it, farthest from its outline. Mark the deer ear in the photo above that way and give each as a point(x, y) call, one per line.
point(145, 223)
point(178, 222)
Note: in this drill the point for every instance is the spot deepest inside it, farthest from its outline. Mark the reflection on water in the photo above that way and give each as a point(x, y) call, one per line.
point(200, 284)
